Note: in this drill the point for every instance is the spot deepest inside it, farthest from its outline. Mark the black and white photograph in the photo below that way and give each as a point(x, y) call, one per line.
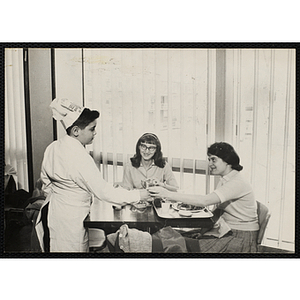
point(157, 149)
point(124, 126)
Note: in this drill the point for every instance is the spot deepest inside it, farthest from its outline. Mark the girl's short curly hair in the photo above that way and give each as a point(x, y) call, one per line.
point(227, 153)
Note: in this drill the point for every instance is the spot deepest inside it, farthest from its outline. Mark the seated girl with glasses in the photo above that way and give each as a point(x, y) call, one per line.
point(148, 164)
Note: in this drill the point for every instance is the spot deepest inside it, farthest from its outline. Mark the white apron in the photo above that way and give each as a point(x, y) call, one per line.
point(71, 180)
point(65, 221)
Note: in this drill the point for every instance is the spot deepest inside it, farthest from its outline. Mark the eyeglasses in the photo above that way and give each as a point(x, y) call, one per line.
point(151, 148)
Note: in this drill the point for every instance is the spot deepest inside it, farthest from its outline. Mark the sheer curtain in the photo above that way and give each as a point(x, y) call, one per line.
point(15, 126)
point(170, 92)
point(260, 122)
point(164, 91)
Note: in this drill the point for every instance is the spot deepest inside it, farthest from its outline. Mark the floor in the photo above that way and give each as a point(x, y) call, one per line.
point(18, 236)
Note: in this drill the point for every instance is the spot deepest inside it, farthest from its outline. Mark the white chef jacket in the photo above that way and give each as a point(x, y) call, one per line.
point(72, 180)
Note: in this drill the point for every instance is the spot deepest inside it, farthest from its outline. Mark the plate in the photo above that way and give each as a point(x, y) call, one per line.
point(176, 213)
point(181, 207)
point(185, 213)
point(141, 205)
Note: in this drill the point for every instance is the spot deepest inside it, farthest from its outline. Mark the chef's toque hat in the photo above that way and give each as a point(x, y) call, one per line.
point(65, 111)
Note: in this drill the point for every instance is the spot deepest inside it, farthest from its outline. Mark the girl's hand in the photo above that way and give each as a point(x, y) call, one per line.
point(166, 186)
point(160, 184)
point(157, 191)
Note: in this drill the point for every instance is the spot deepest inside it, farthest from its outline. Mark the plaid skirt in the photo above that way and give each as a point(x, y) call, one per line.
point(235, 241)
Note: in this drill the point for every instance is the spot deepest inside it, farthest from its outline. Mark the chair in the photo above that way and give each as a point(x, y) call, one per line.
point(14, 203)
point(97, 240)
point(263, 219)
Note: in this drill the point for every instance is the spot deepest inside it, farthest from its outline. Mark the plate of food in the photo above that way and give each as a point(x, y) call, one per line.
point(180, 207)
point(141, 205)
point(180, 210)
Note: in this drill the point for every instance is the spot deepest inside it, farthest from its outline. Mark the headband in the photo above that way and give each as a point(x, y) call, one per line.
point(151, 134)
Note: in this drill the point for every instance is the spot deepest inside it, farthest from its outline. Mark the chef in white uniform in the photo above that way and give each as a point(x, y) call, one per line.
point(72, 180)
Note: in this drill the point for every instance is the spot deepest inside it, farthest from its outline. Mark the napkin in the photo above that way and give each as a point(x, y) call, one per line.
point(219, 230)
point(131, 239)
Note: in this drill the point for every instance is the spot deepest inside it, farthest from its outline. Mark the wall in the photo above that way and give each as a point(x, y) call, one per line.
point(68, 78)
point(40, 98)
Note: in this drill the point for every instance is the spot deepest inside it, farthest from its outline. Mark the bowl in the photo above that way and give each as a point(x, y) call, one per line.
point(140, 206)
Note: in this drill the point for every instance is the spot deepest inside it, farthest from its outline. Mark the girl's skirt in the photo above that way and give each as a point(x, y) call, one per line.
point(235, 241)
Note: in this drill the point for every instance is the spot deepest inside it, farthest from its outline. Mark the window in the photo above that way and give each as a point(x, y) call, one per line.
point(15, 126)
point(178, 94)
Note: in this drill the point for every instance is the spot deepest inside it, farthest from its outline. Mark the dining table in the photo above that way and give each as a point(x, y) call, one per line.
point(106, 216)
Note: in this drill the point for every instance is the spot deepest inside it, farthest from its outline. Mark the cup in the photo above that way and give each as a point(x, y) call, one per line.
point(165, 206)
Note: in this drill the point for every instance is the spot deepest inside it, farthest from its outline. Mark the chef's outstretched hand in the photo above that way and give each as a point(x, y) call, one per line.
point(144, 194)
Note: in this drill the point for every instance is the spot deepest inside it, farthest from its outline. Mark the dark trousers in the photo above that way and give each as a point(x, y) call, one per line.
point(46, 238)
